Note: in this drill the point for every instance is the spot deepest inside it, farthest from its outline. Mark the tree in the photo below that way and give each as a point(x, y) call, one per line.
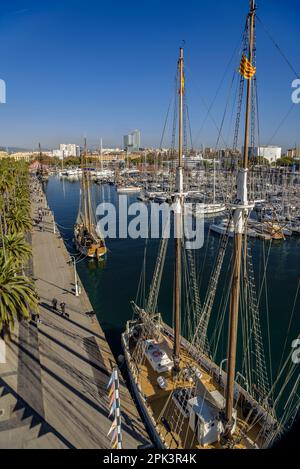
point(285, 161)
point(16, 249)
point(18, 221)
point(17, 292)
point(259, 160)
point(17, 298)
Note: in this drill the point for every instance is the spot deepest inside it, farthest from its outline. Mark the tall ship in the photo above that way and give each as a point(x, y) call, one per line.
point(87, 239)
point(191, 398)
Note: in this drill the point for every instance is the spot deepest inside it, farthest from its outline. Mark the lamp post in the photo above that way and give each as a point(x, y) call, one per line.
point(75, 275)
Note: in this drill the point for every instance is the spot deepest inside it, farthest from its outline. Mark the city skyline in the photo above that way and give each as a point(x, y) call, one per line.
point(91, 81)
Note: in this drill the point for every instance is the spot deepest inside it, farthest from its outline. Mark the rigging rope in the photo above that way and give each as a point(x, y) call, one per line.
point(278, 48)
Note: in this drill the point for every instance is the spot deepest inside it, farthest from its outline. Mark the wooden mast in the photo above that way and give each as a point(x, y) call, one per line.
point(240, 213)
point(84, 185)
point(178, 224)
point(89, 205)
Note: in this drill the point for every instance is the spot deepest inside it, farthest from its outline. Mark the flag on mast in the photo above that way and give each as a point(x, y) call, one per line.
point(246, 68)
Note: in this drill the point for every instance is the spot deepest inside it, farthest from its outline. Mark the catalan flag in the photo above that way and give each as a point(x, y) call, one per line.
point(111, 391)
point(113, 427)
point(112, 399)
point(114, 445)
point(246, 68)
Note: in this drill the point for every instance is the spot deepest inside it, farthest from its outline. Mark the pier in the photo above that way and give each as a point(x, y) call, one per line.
point(53, 387)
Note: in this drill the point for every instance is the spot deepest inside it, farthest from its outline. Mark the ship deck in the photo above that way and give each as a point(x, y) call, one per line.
point(174, 429)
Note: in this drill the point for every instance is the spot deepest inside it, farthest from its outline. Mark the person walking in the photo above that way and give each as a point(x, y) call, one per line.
point(54, 304)
point(38, 319)
point(63, 308)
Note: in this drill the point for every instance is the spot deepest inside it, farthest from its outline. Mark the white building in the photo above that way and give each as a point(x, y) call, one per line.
point(66, 150)
point(270, 153)
point(192, 161)
point(106, 151)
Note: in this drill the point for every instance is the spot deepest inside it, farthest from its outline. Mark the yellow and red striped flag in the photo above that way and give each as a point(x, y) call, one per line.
point(246, 68)
point(183, 83)
point(114, 444)
point(113, 427)
point(112, 399)
point(111, 391)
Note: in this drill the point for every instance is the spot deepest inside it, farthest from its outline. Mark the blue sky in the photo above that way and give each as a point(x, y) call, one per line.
point(87, 67)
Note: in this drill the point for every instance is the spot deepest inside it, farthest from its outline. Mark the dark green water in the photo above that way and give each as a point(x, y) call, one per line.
point(113, 284)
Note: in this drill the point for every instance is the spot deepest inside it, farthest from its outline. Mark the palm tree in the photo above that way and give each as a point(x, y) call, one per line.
point(15, 249)
point(2, 228)
point(18, 221)
point(7, 181)
point(17, 292)
point(17, 299)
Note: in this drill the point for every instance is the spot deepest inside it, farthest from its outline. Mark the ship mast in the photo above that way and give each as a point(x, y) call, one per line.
point(88, 192)
point(84, 185)
point(178, 223)
point(241, 210)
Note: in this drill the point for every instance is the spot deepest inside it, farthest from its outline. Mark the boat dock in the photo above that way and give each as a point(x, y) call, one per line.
point(53, 386)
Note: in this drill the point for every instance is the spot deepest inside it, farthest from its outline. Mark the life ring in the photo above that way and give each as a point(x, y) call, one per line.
point(157, 354)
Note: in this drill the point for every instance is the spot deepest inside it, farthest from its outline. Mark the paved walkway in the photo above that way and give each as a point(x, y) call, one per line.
point(53, 387)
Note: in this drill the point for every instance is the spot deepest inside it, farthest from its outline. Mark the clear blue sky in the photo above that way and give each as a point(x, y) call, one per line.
point(95, 68)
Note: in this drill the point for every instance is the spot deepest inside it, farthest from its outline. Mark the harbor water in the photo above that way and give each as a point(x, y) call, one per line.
point(112, 284)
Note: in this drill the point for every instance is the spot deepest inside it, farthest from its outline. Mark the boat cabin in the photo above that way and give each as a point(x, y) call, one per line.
point(157, 357)
point(205, 417)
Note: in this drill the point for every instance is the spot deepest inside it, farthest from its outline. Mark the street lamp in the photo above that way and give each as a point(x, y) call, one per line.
point(73, 259)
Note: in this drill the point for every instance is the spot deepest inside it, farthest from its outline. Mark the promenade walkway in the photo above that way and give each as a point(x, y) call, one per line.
point(53, 386)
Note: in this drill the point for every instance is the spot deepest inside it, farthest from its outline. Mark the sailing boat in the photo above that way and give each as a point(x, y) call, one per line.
point(187, 400)
point(86, 239)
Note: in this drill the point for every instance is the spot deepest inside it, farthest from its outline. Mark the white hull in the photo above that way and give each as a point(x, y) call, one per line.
point(208, 209)
point(129, 190)
point(223, 229)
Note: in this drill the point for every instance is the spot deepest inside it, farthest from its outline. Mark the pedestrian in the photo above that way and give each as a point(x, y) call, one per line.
point(38, 319)
point(54, 304)
point(63, 308)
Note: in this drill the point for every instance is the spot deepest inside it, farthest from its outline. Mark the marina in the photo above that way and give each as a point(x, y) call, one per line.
point(124, 270)
point(149, 281)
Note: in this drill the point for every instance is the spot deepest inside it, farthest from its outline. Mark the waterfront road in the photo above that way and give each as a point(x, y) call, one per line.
point(53, 386)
